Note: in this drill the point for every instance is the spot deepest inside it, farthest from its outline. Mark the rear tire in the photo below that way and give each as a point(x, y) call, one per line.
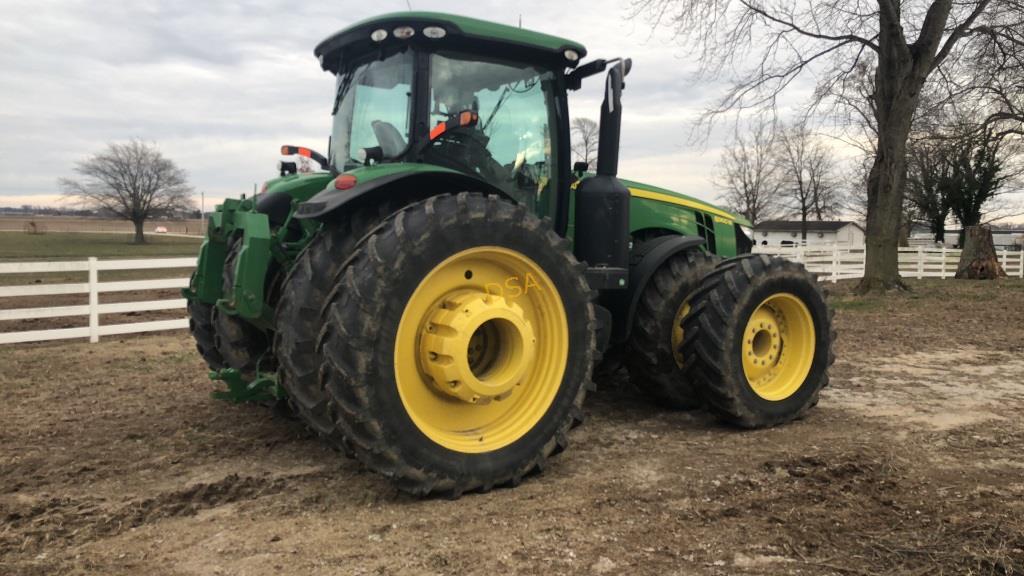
point(758, 341)
point(654, 362)
point(242, 345)
point(404, 287)
point(299, 316)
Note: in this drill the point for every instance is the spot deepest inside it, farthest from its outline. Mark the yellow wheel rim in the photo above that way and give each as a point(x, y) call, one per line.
point(481, 349)
point(778, 347)
point(677, 333)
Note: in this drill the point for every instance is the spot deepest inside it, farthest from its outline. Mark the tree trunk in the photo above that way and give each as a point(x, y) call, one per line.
point(885, 214)
point(140, 237)
point(939, 229)
point(896, 101)
point(978, 260)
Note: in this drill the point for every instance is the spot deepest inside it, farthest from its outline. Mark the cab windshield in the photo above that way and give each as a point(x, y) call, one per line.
point(509, 144)
point(372, 107)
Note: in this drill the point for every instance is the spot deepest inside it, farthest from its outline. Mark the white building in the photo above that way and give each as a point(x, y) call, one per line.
point(787, 233)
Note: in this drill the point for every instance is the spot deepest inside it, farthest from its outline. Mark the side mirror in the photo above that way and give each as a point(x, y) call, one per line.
point(575, 78)
point(581, 167)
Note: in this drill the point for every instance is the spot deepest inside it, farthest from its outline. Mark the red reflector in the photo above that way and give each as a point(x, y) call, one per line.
point(344, 182)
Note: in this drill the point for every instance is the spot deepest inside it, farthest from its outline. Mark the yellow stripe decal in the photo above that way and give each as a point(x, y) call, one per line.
point(649, 195)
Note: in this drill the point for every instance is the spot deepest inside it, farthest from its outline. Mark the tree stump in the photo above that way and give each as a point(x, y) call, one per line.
point(978, 260)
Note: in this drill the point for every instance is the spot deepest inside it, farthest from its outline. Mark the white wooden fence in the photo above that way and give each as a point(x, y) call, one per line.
point(93, 287)
point(841, 262)
point(831, 263)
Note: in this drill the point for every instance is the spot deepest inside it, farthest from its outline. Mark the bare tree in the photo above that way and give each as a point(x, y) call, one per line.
point(998, 72)
point(906, 42)
point(806, 169)
point(585, 133)
point(133, 181)
point(747, 173)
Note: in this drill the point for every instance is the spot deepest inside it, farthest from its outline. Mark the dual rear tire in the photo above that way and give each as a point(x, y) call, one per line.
point(458, 345)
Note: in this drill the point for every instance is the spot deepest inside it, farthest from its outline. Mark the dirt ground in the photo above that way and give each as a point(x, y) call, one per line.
point(115, 460)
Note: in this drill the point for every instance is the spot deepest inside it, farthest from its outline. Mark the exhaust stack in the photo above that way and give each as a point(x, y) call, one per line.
point(602, 202)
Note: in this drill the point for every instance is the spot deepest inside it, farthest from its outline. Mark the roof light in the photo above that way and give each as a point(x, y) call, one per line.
point(345, 181)
point(404, 32)
point(434, 32)
point(378, 35)
point(572, 55)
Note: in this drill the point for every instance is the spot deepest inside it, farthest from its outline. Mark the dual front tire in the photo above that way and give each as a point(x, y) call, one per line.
point(757, 341)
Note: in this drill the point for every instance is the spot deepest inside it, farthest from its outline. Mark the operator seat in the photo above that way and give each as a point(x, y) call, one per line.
point(390, 139)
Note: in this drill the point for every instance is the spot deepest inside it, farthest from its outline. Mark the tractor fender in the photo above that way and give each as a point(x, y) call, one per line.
point(645, 259)
point(419, 184)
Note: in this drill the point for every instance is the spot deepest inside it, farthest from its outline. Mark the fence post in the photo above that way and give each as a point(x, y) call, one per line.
point(920, 262)
point(1002, 259)
point(94, 302)
point(835, 263)
point(942, 269)
point(1020, 271)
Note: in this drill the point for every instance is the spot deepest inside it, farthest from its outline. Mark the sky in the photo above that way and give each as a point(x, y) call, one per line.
point(220, 86)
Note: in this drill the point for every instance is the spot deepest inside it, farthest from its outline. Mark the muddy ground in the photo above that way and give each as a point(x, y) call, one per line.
point(115, 460)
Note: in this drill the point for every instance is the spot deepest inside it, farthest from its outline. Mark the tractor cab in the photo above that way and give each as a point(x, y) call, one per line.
point(474, 97)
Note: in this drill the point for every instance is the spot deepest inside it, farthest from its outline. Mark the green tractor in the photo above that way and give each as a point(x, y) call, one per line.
point(435, 299)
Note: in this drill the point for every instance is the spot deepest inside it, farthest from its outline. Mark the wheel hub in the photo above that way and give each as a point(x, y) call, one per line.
point(763, 342)
point(477, 346)
point(778, 347)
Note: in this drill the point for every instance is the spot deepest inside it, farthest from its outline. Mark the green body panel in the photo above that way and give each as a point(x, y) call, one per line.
point(694, 203)
point(251, 267)
point(657, 210)
point(300, 187)
point(371, 173)
point(480, 29)
point(260, 244)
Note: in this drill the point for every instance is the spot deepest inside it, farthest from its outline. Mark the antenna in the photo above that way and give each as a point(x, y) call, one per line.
point(520, 20)
point(408, 4)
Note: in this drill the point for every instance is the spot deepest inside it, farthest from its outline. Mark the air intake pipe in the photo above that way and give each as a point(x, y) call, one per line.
point(601, 236)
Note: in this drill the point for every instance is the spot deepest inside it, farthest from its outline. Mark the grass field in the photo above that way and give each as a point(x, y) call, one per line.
point(64, 246)
point(57, 224)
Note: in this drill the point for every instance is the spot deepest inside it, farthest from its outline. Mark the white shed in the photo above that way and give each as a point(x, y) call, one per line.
point(788, 233)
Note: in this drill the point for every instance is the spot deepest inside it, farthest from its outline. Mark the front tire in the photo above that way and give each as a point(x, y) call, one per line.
point(758, 341)
point(242, 345)
point(458, 345)
point(299, 316)
point(200, 324)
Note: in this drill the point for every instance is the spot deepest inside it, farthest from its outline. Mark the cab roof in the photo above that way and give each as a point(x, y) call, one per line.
point(461, 33)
